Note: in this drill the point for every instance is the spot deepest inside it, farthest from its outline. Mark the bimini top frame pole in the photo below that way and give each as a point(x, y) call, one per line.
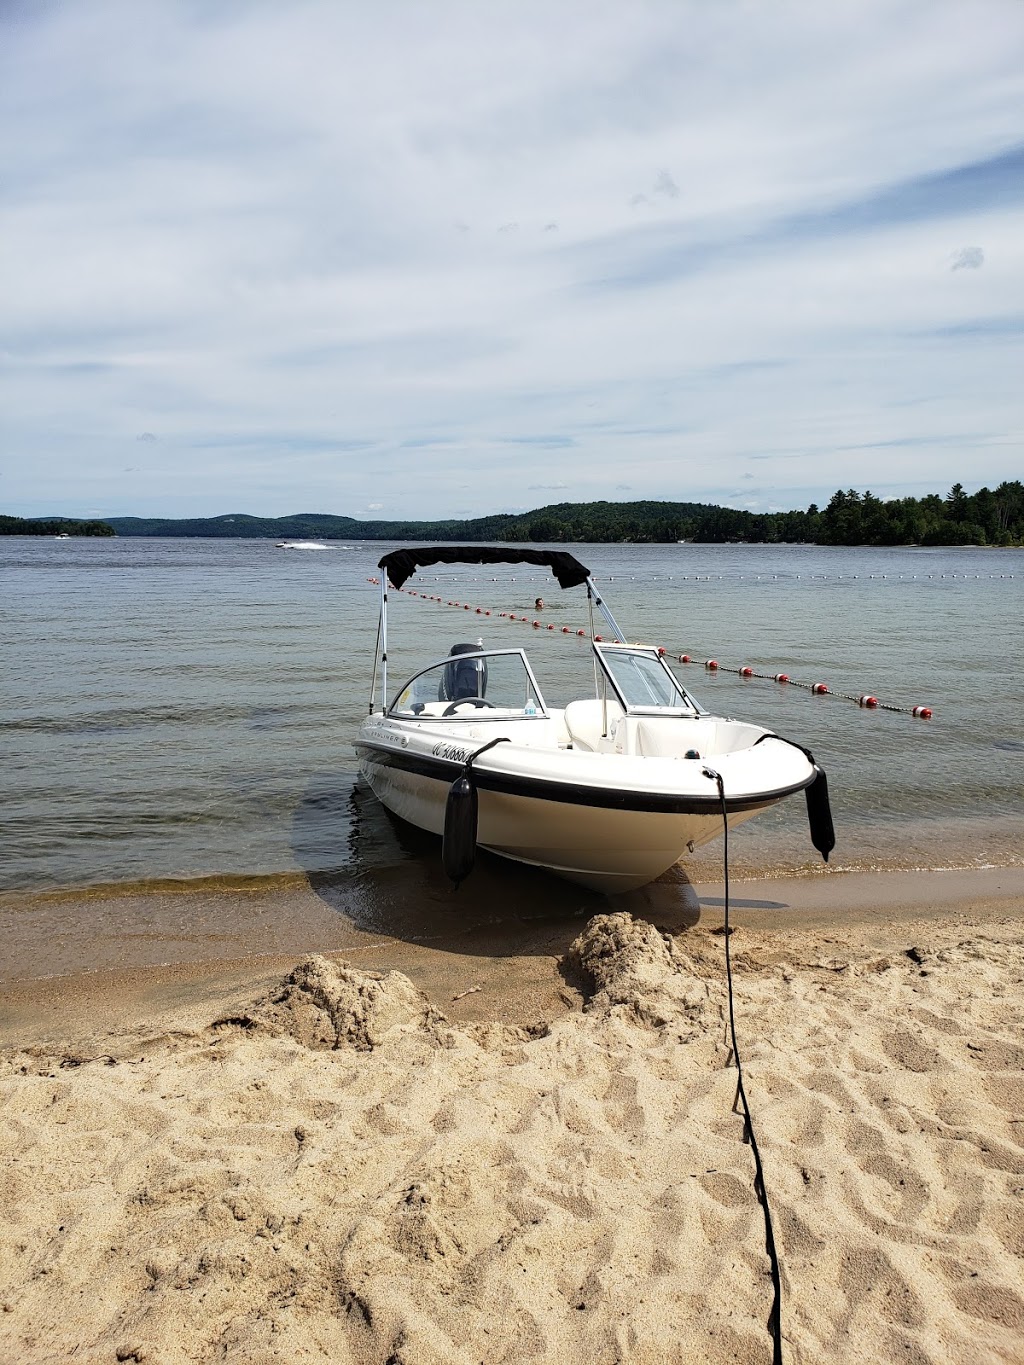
point(598, 602)
point(383, 642)
point(401, 564)
point(380, 651)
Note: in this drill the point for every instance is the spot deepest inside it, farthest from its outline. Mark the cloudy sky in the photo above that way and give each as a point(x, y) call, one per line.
point(452, 258)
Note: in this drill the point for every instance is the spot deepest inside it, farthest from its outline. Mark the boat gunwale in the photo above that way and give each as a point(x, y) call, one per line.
point(542, 788)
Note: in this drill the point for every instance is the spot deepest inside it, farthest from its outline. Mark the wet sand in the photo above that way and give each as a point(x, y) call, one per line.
point(69, 957)
point(514, 1138)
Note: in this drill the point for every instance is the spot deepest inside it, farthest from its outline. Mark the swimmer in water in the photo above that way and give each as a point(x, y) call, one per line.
point(539, 604)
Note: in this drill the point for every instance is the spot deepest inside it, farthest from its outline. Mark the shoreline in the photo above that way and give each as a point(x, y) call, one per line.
point(169, 952)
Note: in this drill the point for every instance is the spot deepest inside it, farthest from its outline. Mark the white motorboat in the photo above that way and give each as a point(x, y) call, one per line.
point(610, 790)
point(301, 545)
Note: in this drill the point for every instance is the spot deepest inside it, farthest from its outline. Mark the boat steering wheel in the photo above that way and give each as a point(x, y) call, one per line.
point(453, 706)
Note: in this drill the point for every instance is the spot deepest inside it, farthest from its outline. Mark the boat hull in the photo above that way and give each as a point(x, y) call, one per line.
point(599, 839)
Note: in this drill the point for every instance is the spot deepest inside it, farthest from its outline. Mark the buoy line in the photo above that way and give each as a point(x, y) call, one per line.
point(819, 689)
point(865, 700)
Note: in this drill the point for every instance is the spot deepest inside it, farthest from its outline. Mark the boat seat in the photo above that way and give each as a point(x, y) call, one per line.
point(658, 739)
point(584, 721)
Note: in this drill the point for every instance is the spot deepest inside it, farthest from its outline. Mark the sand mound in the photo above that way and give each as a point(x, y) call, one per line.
point(326, 1005)
point(335, 1174)
point(627, 965)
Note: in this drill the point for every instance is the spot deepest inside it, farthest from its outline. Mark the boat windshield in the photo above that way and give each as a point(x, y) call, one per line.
point(472, 684)
point(643, 681)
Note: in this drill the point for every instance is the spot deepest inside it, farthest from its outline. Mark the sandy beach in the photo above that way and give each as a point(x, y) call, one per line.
point(519, 1142)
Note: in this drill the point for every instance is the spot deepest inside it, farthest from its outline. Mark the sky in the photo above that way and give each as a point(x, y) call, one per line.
point(449, 259)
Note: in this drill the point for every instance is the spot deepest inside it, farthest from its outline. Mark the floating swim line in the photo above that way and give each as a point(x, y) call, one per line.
point(866, 700)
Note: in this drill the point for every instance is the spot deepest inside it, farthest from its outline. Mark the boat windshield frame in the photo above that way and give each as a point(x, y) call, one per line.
point(400, 565)
point(688, 705)
point(481, 714)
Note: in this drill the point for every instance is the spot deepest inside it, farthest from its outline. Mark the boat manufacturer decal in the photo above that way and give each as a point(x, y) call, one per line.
point(384, 735)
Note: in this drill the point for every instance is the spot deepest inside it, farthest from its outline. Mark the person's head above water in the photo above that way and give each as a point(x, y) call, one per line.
point(539, 604)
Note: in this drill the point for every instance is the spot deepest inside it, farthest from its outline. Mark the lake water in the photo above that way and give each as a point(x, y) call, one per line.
point(186, 708)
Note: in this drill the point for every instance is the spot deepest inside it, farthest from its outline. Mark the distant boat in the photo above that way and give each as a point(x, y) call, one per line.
point(63, 535)
point(302, 545)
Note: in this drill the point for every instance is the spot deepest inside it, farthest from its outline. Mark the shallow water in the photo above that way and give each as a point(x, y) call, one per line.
point(186, 708)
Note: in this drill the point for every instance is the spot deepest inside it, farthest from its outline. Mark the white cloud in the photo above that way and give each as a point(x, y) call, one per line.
point(666, 186)
point(311, 255)
point(968, 258)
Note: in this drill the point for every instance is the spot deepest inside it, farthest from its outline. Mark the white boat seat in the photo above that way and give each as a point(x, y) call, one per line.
point(662, 738)
point(584, 721)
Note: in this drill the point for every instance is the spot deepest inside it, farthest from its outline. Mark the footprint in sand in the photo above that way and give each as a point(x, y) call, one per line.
point(907, 1193)
point(725, 1189)
point(907, 1050)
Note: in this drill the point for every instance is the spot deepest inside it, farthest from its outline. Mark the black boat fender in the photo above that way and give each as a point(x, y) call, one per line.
point(819, 811)
point(461, 815)
point(458, 849)
point(819, 814)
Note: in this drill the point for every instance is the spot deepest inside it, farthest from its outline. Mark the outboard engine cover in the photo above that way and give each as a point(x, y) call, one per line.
point(465, 678)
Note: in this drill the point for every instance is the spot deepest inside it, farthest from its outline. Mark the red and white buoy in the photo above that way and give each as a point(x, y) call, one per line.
point(820, 689)
point(867, 700)
point(922, 712)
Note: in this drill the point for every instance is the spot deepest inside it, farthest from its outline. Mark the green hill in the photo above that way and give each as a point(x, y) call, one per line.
point(988, 517)
point(565, 522)
point(53, 526)
point(241, 526)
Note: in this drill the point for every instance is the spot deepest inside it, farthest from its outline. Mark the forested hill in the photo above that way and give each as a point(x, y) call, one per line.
point(984, 518)
point(53, 526)
point(240, 526)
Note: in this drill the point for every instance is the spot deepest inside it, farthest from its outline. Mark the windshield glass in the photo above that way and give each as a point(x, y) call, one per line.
point(471, 685)
point(643, 681)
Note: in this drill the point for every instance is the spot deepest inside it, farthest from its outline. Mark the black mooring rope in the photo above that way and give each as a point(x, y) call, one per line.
point(775, 1316)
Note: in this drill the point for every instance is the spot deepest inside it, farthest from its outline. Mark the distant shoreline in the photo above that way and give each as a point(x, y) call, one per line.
point(986, 518)
point(361, 541)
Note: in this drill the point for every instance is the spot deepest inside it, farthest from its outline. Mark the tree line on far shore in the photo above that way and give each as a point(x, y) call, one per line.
point(53, 526)
point(982, 518)
point(988, 517)
point(851, 518)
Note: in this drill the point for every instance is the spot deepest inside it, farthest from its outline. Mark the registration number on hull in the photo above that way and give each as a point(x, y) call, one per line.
point(454, 752)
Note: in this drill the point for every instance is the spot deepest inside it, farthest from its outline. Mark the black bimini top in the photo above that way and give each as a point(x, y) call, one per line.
point(402, 564)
